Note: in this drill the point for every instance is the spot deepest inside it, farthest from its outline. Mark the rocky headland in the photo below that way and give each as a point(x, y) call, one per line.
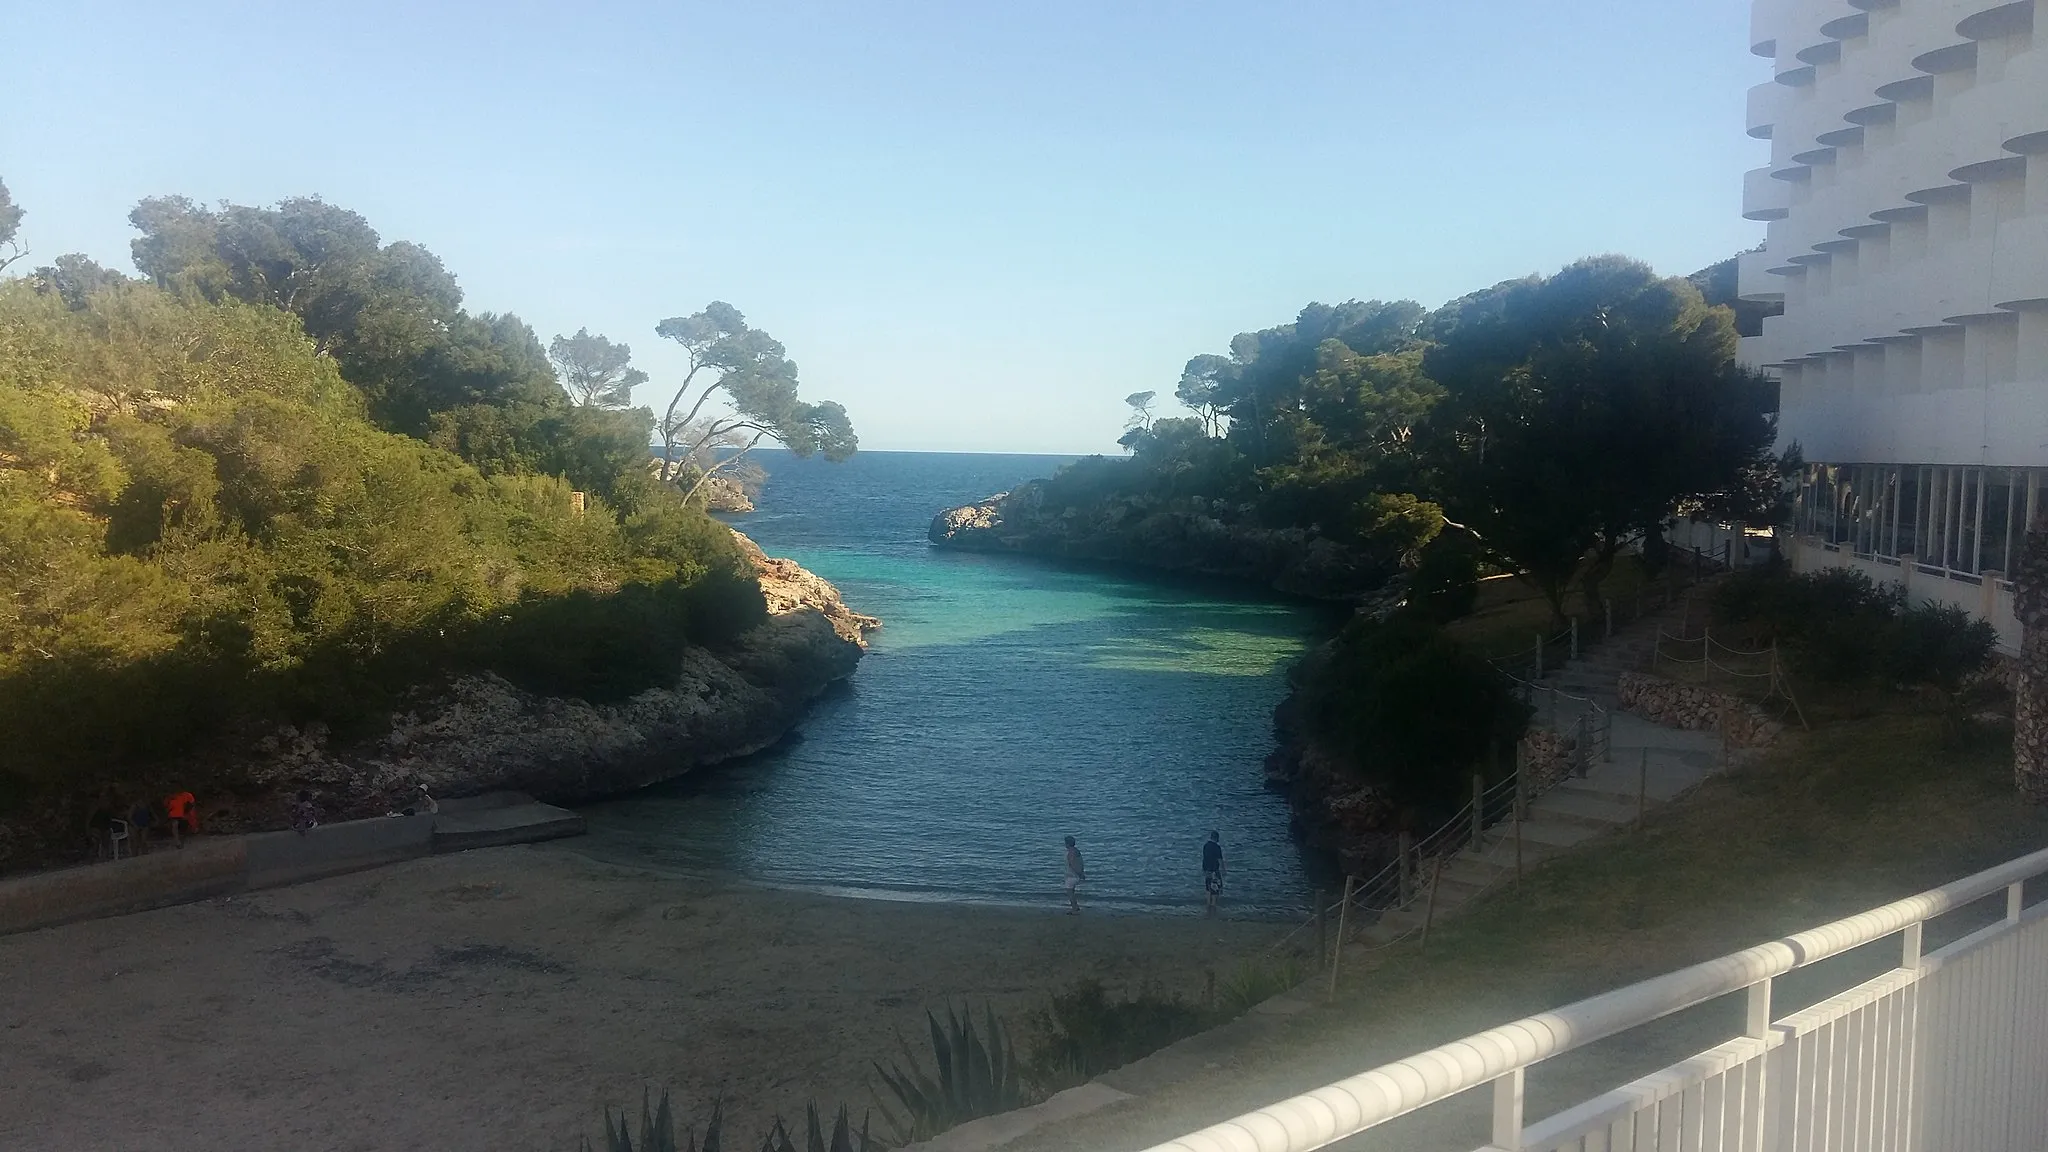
point(480, 733)
point(1185, 534)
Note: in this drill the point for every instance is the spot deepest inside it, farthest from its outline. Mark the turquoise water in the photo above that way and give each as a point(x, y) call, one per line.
point(1005, 704)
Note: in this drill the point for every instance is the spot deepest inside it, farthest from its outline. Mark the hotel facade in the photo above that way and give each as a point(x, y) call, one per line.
point(1906, 203)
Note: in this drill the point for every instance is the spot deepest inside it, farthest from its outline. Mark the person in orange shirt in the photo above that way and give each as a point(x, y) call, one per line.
point(183, 809)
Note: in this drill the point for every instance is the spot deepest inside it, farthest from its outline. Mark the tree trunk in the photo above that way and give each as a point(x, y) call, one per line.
point(1596, 574)
point(2030, 691)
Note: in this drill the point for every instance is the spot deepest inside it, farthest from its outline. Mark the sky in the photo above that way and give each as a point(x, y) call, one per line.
point(977, 225)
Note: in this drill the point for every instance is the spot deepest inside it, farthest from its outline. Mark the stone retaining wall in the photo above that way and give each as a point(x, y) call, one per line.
point(1693, 708)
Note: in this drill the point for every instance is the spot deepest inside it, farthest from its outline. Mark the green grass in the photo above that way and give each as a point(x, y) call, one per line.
point(1861, 811)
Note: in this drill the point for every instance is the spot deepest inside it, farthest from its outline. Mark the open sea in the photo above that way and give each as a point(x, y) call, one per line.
point(1006, 703)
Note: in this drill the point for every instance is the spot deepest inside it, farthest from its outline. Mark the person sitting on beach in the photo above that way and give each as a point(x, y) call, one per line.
point(100, 827)
point(305, 817)
point(1075, 875)
point(183, 810)
point(140, 818)
point(1212, 867)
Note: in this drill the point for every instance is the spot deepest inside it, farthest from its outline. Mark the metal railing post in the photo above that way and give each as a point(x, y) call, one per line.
point(1575, 638)
point(1539, 658)
point(1507, 1112)
point(1607, 606)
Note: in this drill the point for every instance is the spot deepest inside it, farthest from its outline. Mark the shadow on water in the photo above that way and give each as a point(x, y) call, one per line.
point(1005, 704)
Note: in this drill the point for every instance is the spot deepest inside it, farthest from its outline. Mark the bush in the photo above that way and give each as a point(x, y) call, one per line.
point(1837, 626)
point(1085, 1032)
point(1445, 584)
point(976, 1074)
point(199, 525)
point(658, 1132)
point(1254, 982)
point(1415, 711)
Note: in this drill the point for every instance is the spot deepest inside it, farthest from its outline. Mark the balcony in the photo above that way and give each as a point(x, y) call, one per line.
point(1764, 198)
point(1946, 1050)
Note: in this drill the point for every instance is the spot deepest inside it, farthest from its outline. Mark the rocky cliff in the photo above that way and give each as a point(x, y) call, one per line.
point(481, 733)
point(1183, 534)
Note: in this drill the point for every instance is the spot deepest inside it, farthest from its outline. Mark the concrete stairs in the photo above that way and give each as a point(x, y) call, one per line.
point(1647, 766)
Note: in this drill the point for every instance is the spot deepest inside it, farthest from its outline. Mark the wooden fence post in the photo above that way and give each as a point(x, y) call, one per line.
point(1478, 809)
point(1322, 928)
point(1642, 787)
point(1436, 872)
point(1407, 877)
point(1343, 916)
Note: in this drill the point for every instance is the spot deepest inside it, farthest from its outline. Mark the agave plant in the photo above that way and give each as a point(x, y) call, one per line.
point(977, 1075)
point(657, 1130)
point(840, 1139)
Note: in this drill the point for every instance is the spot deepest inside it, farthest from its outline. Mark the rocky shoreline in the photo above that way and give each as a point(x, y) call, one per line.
point(481, 733)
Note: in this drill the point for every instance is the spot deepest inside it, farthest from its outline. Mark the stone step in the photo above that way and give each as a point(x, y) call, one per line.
point(1607, 792)
point(1556, 833)
point(1594, 811)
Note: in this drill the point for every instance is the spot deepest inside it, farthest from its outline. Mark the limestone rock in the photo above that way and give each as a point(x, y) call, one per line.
point(725, 495)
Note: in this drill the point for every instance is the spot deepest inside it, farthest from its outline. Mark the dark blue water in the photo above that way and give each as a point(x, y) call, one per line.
point(1005, 704)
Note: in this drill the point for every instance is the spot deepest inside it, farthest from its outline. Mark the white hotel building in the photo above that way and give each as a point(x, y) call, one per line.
point(1907, 204)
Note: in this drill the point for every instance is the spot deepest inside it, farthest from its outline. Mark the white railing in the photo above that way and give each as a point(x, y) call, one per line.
point(1946, 1053)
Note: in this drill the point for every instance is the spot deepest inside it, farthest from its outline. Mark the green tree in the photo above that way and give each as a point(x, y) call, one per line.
point(759, 386)
point(1201, 388)
point(74, 277)
point(1583, 410)
point(10, 224)
point(595, 372)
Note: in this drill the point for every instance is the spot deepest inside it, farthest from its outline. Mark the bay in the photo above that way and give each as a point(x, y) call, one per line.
point(1006, 703)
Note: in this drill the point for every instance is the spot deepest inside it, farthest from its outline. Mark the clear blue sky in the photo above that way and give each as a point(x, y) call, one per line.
point(977, 225)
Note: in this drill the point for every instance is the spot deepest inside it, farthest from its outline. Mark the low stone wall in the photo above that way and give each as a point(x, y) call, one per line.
point(167, 876)
point(216, 866)
point(1692, 708)
point(1546, 758)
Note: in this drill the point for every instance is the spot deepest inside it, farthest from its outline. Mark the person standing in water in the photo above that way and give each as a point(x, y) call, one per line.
point(1075, 875)
point(1212, 868)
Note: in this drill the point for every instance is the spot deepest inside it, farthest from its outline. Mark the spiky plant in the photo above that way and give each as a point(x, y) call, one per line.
point(657, 1129)
point(840, 1139)
point(976, 1076)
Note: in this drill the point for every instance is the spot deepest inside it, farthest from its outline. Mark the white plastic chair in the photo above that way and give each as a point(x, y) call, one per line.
point(117, 834)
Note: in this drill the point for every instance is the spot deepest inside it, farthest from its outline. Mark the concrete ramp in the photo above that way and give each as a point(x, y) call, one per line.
point(497, 818)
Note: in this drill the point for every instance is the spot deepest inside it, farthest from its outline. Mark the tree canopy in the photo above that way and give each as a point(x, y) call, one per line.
point(758, 384)
point(1581, 410)
point(596, 372)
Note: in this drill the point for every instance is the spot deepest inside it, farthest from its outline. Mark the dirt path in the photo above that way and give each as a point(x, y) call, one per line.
point(498, 999)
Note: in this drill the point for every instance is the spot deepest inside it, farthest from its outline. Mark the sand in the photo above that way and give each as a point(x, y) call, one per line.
point(498, 999)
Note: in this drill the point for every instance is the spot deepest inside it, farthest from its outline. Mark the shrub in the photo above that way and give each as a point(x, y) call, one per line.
point(1837, 626)
point(1413, 709)
point(658, 1132)
point(1445, 584)
point(199, 525)
point(976, 1075)
point(1085, 1032)
point(1254, 982)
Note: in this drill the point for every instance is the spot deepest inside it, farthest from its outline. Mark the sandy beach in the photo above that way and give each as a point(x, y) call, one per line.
point(499, 999)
